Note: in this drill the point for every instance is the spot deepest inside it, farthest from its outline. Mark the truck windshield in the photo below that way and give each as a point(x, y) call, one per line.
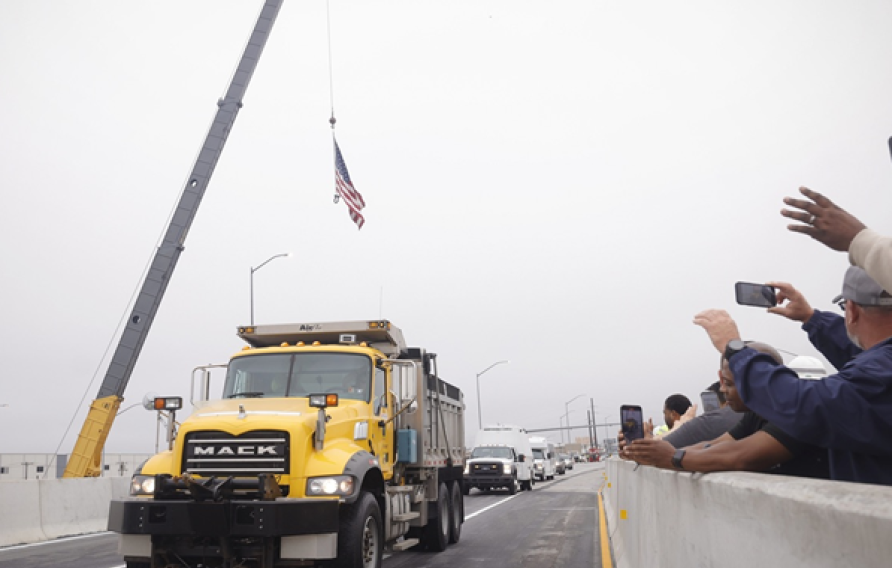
point(489, 452)
point(299, 375)
point(538, 454)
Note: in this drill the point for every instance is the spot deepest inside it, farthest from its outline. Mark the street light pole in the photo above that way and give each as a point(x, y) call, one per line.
point(479, 411)
point(566, 414)
point(606, 425)
point(255, 269)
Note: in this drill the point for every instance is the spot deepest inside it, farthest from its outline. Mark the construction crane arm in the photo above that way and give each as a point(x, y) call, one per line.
point(85, 460)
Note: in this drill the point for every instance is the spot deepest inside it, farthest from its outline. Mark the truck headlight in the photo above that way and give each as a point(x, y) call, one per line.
point(335, 485)
point(506, 468)
point(142, 485)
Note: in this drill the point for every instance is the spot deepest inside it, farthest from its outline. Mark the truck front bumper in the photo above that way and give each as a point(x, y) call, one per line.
point(282, 517)
point(484, 481)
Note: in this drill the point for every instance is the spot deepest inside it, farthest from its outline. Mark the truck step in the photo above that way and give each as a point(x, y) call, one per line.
point(403, 517)
point(401, 489)
point(404, 544)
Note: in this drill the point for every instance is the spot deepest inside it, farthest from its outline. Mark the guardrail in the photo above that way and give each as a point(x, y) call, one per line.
point(39, 510)
point(661, 518)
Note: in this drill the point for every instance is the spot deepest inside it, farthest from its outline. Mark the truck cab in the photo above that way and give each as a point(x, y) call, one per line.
point(501, 458)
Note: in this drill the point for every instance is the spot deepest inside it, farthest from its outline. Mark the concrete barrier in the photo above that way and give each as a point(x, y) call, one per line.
point(660, 518)
point(20, 517)
point(37, 510)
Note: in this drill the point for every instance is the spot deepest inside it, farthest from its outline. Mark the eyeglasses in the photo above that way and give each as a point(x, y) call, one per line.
point(842, 304)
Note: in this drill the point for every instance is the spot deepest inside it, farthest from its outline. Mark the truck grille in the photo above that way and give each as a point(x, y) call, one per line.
point(486, 468)
point(220, 453)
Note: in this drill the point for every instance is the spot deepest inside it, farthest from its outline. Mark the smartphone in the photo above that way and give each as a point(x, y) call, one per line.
point(759, 295)
point(632, 422)
point(710, 400)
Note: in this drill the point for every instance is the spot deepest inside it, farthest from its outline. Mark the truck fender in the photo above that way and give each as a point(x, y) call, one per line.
point(365, 468)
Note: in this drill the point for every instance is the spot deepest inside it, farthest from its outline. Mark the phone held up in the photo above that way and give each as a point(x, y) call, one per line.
point(759, 295)
point(632, 422)
point(710, 400)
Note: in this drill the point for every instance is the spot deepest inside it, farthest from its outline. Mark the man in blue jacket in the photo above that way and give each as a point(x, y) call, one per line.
point(850, 412)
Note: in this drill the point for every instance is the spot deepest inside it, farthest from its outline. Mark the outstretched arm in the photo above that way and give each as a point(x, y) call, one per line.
point(758, 452)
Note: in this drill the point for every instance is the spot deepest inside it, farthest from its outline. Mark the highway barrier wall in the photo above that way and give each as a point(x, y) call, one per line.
point(37, 510)
point(660, 518)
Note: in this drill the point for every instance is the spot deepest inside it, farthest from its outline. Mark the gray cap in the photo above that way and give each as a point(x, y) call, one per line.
point(860, 288)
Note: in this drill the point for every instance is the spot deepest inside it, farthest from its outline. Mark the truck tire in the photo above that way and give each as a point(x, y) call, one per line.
point(360, 538)
point(436, 533)
point(513, 488)
point(465, 489)
point(456, 513)
point(137, 564)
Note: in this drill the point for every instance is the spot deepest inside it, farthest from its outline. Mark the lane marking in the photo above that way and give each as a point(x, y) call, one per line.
point(606, 559)
point(54, 541)
point(487, 508)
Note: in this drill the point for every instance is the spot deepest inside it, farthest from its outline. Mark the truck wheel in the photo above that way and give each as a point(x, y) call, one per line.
point(137, 564)
point(514, 487)
point(360, 540)
point(436, 533)
point(456, 513)
point(465, 489)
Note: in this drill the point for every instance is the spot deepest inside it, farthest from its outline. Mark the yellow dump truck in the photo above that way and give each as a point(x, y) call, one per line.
point(329, 444)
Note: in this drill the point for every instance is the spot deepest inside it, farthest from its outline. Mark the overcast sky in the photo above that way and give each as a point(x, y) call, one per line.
point(559, 184)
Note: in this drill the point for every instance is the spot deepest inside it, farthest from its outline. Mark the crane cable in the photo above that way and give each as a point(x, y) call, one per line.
point(331, 120)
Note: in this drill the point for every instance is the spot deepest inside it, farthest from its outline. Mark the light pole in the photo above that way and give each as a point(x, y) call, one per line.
point(255, 269)
point(606, 425)
point(567, 412)
point(480, 412)
point(564, 418)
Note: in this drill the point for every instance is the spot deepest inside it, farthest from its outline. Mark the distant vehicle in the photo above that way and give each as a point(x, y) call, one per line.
point(578, 458)
point(567, 460)
point(543, 458)
point(560, 467)
point(501, 458)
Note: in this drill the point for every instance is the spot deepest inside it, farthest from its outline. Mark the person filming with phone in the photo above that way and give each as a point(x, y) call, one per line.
point(752, 444)
point(850, 412)
point(708, 426)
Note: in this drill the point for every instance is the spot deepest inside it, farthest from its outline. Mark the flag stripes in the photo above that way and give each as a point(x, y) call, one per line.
point(345, 189)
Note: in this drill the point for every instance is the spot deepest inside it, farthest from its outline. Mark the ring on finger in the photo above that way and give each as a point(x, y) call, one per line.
point(811, 220)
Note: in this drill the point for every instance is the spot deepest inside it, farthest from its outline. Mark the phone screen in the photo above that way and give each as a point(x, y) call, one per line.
point(759, 295)
point(632, 422)
point(710, 401)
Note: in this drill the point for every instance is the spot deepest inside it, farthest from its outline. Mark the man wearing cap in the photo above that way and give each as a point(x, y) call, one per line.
point(850, 412)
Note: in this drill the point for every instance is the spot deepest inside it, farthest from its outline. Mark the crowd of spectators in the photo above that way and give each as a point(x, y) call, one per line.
point(837, 427)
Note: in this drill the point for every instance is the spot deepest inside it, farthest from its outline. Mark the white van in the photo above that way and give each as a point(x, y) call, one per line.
point(543, 458)
point(501, 457)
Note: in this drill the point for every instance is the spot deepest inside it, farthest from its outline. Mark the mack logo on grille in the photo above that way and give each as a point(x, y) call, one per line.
point(238, 451)
point(221, 453)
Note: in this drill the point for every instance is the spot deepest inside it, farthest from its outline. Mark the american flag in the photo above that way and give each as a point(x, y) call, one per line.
point(345, 189)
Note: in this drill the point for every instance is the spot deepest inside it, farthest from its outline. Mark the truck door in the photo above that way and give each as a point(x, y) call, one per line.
point(382, 436)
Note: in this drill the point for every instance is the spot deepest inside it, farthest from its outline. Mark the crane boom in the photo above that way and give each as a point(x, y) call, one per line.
point(85, 458)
